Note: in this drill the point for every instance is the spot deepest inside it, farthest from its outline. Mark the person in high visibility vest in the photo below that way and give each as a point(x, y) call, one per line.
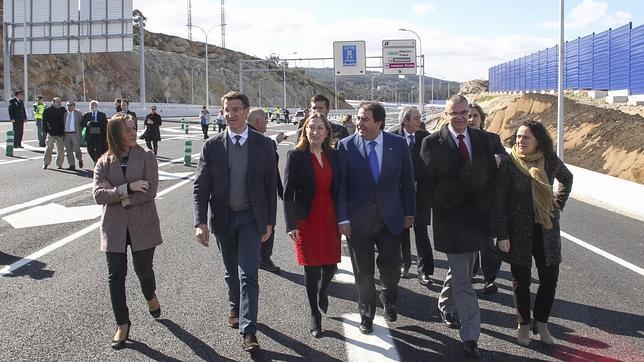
point(39, 109)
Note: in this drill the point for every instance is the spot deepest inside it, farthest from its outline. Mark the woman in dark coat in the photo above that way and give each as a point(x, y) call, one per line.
point(490, 259)
point(311, 186)
point(152, 132)
point(526, 221)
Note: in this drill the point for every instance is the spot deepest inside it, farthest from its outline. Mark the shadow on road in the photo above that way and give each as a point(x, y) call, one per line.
point(34, 270)
point(306, 352)
point(199, 347)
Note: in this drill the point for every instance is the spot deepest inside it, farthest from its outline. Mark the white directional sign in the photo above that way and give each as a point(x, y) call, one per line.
point(399, 56)
point(349, 57)
point(52, 214)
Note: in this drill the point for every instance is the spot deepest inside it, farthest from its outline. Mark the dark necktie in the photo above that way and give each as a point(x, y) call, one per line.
point(463, 148)
point(237, 141)
point(373, 161)
point(412, 143)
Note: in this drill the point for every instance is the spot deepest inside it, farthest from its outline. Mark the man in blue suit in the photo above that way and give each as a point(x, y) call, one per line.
point(376, 202)
point(236, 180)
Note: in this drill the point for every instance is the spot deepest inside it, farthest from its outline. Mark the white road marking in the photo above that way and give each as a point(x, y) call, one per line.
point(9, 269)
point(605, 254)
point(344, 275)
point(378, 346)
point(167, 176)
point(51, 214)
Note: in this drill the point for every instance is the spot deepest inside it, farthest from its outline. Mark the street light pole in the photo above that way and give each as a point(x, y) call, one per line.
point(560, 95)
point(421, 71)
point(192, 82)
point(140, 20)
point(259, 90)
point(372, 77)
point(206, 33)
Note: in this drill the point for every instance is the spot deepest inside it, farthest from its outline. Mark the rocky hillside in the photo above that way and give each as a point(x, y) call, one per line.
point(596, 138)
point(169, 61)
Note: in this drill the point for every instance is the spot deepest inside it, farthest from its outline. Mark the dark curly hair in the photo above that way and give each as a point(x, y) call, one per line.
point(540, 133)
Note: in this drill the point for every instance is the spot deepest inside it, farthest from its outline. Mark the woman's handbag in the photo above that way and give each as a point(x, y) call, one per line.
point(144, 135)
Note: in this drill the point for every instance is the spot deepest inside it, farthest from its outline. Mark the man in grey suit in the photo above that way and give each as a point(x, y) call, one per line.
point(459, 168)
point(72, 136)
point(236, 179)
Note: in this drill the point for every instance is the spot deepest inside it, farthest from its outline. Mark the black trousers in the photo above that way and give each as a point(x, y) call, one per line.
point(152, 145)
point(361, 250)
point(489, 262)
point(18, 130)
point(548, 276)
point(204, 129)
point(317, 280)
point(117, 268)
point(423, 248)
point(267, 249)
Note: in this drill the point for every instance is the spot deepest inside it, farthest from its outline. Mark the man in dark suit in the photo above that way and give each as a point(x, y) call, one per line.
point(257, 121)
point(321, 104)
point(96, 133)
point(377, 201)
point(18, 116)
point(236, 179)
point(409, 129)
point(125, 108)
point(459, 168)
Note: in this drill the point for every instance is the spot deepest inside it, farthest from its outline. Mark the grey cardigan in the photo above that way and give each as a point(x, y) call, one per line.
point(513, 216)
point(141, 218)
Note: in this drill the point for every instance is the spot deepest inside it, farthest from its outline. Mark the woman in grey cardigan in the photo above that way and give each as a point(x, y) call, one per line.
point(125, 183)
point(526, 222)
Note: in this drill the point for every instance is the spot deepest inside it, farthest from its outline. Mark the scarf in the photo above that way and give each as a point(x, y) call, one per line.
point(543, 200)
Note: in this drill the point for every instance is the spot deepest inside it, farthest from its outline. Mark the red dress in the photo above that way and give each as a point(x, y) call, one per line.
point(319, 238)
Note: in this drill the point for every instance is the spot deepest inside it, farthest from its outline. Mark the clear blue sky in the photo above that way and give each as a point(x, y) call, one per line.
point(460, 39)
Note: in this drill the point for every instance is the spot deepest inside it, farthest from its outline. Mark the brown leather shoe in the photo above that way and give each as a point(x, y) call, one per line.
point(233, 318)
point(249, 342)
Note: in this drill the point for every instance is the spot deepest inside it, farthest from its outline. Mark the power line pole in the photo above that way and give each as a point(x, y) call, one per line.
point(223, 24)
point(189, 20)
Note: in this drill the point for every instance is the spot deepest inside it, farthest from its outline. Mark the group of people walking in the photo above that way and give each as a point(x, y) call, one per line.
point(371, 186)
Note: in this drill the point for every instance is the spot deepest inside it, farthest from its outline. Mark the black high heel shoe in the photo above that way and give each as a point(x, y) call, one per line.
point(157, 312)
point(120, 344)
point(316, 326)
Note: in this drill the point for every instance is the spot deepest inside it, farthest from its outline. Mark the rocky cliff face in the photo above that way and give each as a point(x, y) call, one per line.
point(169, 62)
point(474, 86)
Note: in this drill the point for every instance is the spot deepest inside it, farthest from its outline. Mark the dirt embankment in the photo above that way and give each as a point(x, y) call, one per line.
point(596, 138)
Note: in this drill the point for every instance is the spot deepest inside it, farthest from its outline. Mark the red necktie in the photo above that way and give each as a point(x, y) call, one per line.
point(463, 147)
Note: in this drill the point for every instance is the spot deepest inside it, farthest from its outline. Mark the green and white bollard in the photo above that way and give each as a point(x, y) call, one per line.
point(183, 123)
point(185, 130)
point(187, 153)
point(9, 148)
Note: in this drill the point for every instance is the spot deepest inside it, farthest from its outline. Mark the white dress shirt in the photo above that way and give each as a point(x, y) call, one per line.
point(244, 135)
point(70, 126)
point(455, 135)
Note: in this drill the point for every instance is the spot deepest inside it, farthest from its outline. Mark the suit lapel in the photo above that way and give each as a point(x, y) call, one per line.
point(361, 159)
point(307, 159)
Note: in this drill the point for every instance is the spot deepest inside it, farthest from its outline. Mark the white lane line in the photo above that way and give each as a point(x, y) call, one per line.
point(378, 346)
point(605, 254)
point(74, 190)
point(9, 269)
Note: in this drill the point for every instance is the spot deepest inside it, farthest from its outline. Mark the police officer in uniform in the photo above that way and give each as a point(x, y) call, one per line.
point(18, 116)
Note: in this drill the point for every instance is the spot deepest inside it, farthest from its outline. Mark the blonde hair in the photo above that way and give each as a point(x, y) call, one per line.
point(303, 142)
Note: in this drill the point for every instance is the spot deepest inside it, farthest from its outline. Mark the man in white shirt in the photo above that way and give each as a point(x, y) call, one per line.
point(73, 129)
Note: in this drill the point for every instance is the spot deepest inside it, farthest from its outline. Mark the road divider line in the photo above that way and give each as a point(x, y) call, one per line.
point(605, 254)
point(377, 346)
point(9, 269)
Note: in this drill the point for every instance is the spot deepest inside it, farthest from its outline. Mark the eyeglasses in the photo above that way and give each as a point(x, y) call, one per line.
point(462, 113)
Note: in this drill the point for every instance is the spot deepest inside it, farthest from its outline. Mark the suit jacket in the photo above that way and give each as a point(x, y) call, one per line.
point(280, 187)
point(78, 117)
point(17, 111)
point(360, 197)
point(141, 218)
point(461, 193)
point(423, 208)
point(54, 121)
point(211, 186)
point(101, 119)
point(299, 184)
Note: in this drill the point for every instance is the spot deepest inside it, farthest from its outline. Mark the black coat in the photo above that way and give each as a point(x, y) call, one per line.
point(280, 188)
point(153, 132)
point(53, 120)
point(17, 111)
point(423, 208)
point(211, 186)
point(101, 121)
point(461, 193)
point(514, 213)
point(136, 123)
point(299, 184)
point(495, 142)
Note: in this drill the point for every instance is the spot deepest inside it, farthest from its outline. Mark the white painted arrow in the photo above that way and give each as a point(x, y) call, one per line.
point(52, 214)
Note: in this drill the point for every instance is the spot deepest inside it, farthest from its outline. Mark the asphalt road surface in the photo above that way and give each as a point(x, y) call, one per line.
point(54, 299)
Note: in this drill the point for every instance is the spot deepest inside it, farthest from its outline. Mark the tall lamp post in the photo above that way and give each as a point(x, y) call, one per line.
point(259, 91)
point(140, 21)
point(206, 33)
point(192, 82)
point(421, 71)
point(372, 78)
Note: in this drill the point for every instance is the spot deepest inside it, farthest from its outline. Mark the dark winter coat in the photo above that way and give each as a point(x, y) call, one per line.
point(514, 215)
point(153, 133)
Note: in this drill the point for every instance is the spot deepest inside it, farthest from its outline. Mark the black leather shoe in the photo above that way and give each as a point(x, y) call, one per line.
point(44, 167)
point(425, 280)
point(249, 342)
point(404, 272)
point(233, 318)
point(390, 313)
point(120, 344)
point(490, 288)
point(450, 320)
point(366, 327)
point(471, 349)
point(269, 266)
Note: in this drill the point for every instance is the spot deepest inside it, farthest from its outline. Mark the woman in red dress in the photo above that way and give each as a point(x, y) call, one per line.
point(311, 186)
